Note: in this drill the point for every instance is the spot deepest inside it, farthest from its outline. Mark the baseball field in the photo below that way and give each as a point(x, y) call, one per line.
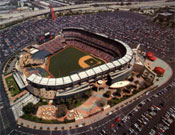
point(70, 60)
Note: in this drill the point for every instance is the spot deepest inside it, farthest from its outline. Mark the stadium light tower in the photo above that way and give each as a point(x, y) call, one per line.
point(51, 11)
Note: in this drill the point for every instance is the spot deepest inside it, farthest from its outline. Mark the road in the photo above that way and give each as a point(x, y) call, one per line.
point(16, 16)
point(154, 101)
point(8, 124)
point(95, 128)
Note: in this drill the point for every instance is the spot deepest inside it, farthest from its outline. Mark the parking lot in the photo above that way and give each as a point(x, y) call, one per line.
point(129, 27)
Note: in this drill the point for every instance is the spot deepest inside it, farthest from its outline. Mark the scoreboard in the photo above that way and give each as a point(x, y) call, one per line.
point(46, 37)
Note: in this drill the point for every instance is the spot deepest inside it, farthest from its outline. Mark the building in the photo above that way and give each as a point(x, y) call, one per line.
point(159, 71)
point(116, 70)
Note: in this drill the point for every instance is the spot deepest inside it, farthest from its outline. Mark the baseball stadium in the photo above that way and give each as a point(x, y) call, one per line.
point(70, 62)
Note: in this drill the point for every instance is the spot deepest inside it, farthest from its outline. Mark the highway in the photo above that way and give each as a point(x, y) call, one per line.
point(155, 101)
point(16, 16)
point(8, 124)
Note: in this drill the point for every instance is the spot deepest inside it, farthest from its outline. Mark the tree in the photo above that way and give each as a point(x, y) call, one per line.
point(76, 96)
point(66, 120)
point(71, 106)
point(126, 90)
point(101, 102)
point(43, 102)
point(131, 78)
point(29, 108)
point(87, 94)
point(138, 75)
point(57, 102)
point(69, 102)
point(136, 82)
point(119, 90)
point(107, 94)
point(62, 100)
point(61, 111)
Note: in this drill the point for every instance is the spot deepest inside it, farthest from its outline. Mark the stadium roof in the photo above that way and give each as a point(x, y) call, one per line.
point(103, 35)
point(122, 61)
point(129, 52)
point(82, 75)
point(97, 70)
point(52, 82)
point(18, 80)
point(116, 63)
point(128, 56)
point(41, 54)
point(126, 59)
point(75, 77)
point(38, 79)
point(120, 84)
point(67, 80)
point(59, 81)
point(32, 77)
point(44, 81)
point(33, 50)
point(90, 72)
point(128, 49)
point(110, 65)
point(104, 67)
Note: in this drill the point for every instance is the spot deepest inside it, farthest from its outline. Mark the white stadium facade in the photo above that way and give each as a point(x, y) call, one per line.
point(116, 70)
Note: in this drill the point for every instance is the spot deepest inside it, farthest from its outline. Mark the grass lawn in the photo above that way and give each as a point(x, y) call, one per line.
point(65, 62)
point(91, 62)
point(13, 88)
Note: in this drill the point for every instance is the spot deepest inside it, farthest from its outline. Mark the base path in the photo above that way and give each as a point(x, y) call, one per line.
point(82, 60)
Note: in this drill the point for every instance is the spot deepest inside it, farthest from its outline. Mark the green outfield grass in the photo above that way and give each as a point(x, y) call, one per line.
point(13, 88)
point(66, 61)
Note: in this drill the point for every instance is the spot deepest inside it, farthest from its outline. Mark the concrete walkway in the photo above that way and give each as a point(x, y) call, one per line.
point(168, 74)
point(168, 71)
